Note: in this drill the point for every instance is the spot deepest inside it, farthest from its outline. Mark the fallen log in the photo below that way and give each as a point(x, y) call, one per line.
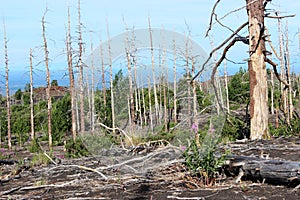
point(263, 170)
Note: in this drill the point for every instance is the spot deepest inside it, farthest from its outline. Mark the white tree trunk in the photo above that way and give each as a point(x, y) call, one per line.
point(8, 109)
point(71, 79)
point(31, 98)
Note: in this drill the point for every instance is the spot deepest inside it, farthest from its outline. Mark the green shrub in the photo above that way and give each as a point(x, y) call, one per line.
point(235, 128)
point(286, 130)
point(204, 162)
point(39, 159)
point(75, 149)
point(34, 147)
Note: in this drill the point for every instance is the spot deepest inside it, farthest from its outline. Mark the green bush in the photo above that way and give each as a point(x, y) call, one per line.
point(34, 147)
point(235, 128)
point(204, 162)
point(286, 130)
point(75, 149)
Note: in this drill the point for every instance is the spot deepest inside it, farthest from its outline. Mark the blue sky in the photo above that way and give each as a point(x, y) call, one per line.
point(23, 24)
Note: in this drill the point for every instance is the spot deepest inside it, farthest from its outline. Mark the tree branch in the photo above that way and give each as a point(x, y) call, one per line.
point(236, 39)
point(274, 65)
point(211, 17)
point(280, 17)
point(217, 48)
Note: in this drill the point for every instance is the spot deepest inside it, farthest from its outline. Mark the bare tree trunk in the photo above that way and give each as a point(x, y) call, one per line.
point(131, 97)
point(80, 65)
point(150, 106)
point(226, 87)
point(49, 102)
point(93, 95)
point(194, 94)
point(129, 114)
point(111, 83)
point(103, 74)
point(8, 109)
point(175, 81)
point(188, 79)
point(71, 79)
point(144, 105)
point(89, 100)
point(288, 74)
point(156, 105)
point(283, 77)
point(138, 104)
point(31, 98)
point(165, 90)
point(272, 92)
point(257, 71)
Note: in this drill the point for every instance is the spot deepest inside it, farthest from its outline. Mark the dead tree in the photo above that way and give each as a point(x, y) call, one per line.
point(80, 65)
point(111, 83)
point(257, 70)
point(93, 93)
point(156, 106)
point(226, 87)
point(103, 74)
point(188, 79)
point(256, 64)
point(128, 57)
point(49, 102)
point(175, 81)
point(8, 108)
point(31, 98)
point(71, 78)
point(288, 74)
point(150, 105)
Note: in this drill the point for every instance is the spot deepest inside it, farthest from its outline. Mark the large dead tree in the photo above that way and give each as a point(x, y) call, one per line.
point(256, 63)
point(257, 70)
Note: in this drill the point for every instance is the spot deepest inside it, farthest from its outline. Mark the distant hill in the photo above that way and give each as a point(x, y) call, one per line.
point(18, 80)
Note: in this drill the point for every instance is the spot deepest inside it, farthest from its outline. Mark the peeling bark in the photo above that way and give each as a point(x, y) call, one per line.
point(257, 71)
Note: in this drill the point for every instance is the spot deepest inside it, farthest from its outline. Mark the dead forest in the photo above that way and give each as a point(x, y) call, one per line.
point(147, 114)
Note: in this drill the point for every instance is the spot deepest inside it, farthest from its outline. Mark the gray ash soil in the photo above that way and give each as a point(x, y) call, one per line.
point(158, 174)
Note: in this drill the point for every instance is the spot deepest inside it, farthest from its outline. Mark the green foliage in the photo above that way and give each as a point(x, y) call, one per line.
point(40, 119)
point(203, 162)
point(20, 122)
point(26, 98)
point(235, 128)
point(39, 159)
point(34, 147)
point(103, 112)
point(75, 149)
point(61, 118)
point(97, 141)
point(168, 136)
point(54, 83)
point(18, 94)
point(203, 99)
point(239, 88)
point(286, 130)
